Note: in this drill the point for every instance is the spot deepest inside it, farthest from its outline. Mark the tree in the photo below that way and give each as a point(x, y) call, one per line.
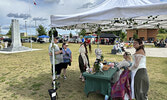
point(135, 36)
point(122, 35)
point(54, 32)
point(117, 32)
point(162, 31)
point(98, 30)
point(70, 35)
point(10, 31)
point(83, 32)
point(41, 30)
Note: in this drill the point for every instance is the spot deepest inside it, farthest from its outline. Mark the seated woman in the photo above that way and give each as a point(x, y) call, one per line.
point(125, 63)
point(121, 89)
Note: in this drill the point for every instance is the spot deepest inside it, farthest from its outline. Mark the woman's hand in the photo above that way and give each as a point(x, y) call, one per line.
point(60, 51)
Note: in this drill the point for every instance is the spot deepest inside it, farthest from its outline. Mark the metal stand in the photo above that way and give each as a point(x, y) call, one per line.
point(52, 92)
point(53, 58)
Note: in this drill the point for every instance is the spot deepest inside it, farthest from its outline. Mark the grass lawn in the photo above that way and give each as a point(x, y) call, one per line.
point(27, 76)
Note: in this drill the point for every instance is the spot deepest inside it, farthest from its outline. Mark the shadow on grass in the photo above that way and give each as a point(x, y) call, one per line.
point(36, 88)
point(114, 54)
point(162, 83)
point(165, 62)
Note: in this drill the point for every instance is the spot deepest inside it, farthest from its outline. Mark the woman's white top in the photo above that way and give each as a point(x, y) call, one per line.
point(123, 63)
point(139, 61)
point(82, 51)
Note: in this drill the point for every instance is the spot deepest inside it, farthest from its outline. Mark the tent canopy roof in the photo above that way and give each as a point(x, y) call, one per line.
point(105, 13)
point(106, 35)
point(89, 36)
point(43, 36)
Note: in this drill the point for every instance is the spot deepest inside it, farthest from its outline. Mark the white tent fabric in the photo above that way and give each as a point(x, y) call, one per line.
point(111, 9)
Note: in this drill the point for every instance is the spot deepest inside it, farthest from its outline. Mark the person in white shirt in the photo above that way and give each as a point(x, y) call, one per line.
point(121, 45)
point(125, 63)
point(58, 57)
point(122, 75)
point(139, 76)
point(83, 59)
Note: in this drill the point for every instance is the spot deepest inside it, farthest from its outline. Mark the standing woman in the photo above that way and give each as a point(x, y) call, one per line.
point(67, 58)
point(139, 77)
point(83, 59)
point(58, 57)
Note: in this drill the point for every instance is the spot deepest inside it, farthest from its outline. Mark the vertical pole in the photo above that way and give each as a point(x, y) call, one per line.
point(53, 55)
point(35, 27)
point(98, 41)
point(30, 24)
point(26, 27)
point(98, 34)
point(0, 29)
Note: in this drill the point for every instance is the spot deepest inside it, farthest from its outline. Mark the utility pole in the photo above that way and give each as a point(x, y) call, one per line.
point(0, 29)
point(35, 27)
point(26, 27)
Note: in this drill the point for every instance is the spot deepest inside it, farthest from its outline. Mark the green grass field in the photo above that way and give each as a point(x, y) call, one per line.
point(27, 76)
point(161, 36)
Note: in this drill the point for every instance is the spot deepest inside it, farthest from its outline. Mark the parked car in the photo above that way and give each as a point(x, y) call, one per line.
point(7, 40)
point(33, 39)
point(79, 40)
point(25, 40)
point(61, 40)
point(75, 40)
point(40, 40)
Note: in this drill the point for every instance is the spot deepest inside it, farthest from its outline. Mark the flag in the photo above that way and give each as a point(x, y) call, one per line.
point(34, 2)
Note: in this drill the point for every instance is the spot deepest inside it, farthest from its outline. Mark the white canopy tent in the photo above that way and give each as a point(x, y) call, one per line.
point(116, 14)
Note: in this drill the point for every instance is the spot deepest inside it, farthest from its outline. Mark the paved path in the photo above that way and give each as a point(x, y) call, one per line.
point(9, 52)
point(152, 52)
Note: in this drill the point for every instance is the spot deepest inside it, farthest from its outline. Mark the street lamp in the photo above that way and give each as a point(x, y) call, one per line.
point(26, 27)
point(35, 26)
point(0, 29)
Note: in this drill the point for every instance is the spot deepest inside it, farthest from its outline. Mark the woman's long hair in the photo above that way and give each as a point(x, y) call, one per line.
point(141, 45)
point(85, 47)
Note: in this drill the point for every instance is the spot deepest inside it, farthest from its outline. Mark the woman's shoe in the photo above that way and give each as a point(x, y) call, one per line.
point(80, 77)
point(83, 80)
point(65, 77)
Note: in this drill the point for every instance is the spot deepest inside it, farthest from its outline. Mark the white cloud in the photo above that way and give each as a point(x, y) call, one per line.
point(51, 1)
point(16, 15)
point(43, 9)
point(158, 1)
point(39, 19)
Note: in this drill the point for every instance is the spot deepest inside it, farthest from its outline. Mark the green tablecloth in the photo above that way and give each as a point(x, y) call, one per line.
point(99, 81)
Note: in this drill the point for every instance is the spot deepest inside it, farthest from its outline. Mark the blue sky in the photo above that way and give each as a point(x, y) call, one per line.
point(25, 10)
